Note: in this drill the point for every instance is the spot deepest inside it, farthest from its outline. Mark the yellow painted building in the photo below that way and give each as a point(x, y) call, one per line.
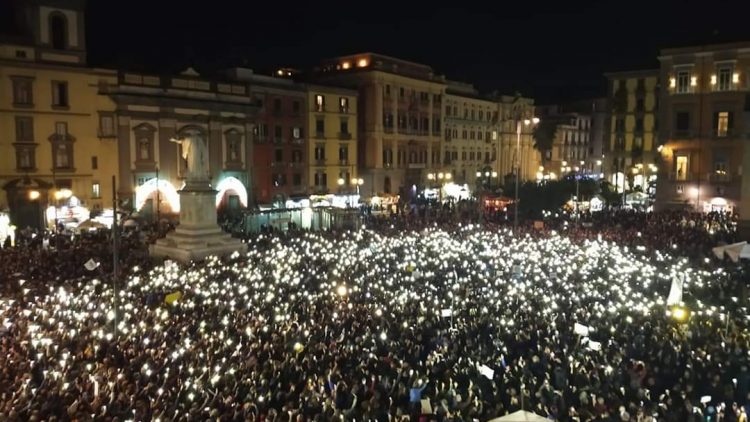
point(57, 133)
point(633, 127)
point(332, 134)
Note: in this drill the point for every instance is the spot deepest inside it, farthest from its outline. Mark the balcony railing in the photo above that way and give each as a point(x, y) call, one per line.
point(320, 135)
point(345, 135)
point(320, 161)
point(719, 177)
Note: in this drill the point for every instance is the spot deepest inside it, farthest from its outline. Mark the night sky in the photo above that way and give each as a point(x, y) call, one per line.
point(552, 51)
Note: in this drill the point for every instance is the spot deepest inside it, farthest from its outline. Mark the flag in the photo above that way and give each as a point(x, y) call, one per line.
point(675, 292)
point(91, 265)
point(172, 297)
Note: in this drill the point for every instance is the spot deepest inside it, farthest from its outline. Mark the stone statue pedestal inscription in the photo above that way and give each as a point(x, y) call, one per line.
point(198, 235)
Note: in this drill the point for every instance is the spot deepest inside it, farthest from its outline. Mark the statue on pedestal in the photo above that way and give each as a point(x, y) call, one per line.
point(194, 151)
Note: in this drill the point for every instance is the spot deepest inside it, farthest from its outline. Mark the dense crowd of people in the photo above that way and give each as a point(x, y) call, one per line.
point(431, 316)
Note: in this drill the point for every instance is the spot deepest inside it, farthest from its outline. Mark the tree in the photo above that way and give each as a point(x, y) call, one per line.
point(544, 135)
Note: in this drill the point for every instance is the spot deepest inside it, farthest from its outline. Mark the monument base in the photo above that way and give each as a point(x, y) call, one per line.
point(197, 236)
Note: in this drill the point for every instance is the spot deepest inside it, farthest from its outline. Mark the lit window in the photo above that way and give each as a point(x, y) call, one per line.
point(362, 63)
point(722, 123)
point(683, 82)
point(320, 103)
point(725, 79)
point(346, 65)
point(95, 190)
point(681, 167)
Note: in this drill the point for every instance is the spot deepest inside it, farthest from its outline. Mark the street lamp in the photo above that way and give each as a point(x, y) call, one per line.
point(440, 177)
point(527, 122)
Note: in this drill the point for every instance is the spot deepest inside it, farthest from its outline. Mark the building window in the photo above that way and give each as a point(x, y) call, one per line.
point(22, 91)
point(343, 154)
point(297, 179)
point(619, 126)
point(295, 107)
point(639, 104)
point(494, 135)
point(401, 92)
point(144, 143)
point(61, 129)
point(320, 128)
point(59, 94)
point(387, 90)
point(464, 134)
point(683, 82)
point(277, 106)
point(296, 132)
point(722, 123)
point(106, 125)
point(233, 140)
point(321, 179)
point(388, 120)
point(25, 157)
point(278, 155)
point(479, 135)
point(63, 155)
point(144, 149)
point(344, 127)
point(320, 103)
point(95, 190)
point(471, 134)
point(639, 124)
point(344, 105)
point(320, 152)
point(724, 79)
point(24, 129)
point(681, 167)
point(296, 156)
point(58, 31)
point(387, 157)
point(279, 179)
point(94, 162)
point(682, 122)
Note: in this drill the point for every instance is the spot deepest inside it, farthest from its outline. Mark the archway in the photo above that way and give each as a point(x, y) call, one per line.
point(147, 194)
point(231, 195)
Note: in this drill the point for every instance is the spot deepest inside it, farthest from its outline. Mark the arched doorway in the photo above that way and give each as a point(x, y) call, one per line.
point(146, 198)
point(231, 196)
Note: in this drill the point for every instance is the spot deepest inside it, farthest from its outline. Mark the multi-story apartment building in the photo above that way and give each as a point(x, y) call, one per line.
point(633, 126)
point(571, 142)
point(332, 150)
point(280, 139)
point(402, 124)
point(704, 113)
point(472, 136)
point(400, 115)
point(152, 110)
point(57, 132)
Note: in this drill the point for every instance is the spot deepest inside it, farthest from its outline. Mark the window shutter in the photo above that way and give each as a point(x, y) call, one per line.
point(716, 122)
point(730, 120)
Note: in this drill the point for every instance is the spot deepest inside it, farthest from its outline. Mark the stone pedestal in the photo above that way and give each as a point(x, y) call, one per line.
point(198, 235)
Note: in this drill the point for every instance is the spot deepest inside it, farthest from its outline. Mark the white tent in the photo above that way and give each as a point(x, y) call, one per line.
point(521, 416)
point(735, 251)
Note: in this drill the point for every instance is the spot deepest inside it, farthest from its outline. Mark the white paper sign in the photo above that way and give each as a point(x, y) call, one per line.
point(486, 371)
point(581, 329)
point(446, 313)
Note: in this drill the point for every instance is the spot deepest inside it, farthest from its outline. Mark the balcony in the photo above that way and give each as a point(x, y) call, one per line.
point(688, 177)
point(344, 110)
point(719, 177)
point(345, 135)
point(343, 162)
point(320, 190)
point(297, 141)
point(320, 135)
point(388, 129)
point(278, 140)
point(320, 161)
point(260, 139)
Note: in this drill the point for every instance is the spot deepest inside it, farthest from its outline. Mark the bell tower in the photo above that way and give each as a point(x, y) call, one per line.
point(54, 29)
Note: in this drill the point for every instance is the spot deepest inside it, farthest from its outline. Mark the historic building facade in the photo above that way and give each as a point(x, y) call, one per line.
point(705, 125)
point(151, 110)
point(57, 131)
point(632, 130)
point(399, 122)
point(332, 150)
